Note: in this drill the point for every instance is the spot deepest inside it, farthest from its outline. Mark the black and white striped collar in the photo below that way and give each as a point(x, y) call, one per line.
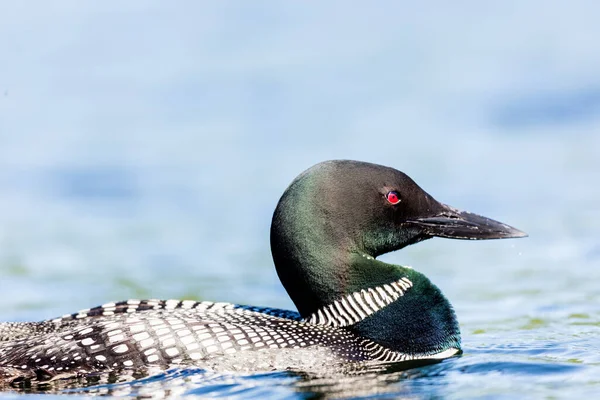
point(357, 306)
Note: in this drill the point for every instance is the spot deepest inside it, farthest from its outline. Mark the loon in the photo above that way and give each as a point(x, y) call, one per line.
point(328, 228)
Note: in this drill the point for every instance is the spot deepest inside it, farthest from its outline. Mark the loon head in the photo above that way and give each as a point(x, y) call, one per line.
point(335, 219)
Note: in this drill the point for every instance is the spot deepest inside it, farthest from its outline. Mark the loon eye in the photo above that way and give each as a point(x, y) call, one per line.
point(393, 197)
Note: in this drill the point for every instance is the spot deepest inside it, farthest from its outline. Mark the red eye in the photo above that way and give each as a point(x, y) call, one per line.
point(393, 197)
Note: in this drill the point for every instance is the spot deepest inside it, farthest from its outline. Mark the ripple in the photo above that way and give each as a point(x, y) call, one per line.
point(519, 368)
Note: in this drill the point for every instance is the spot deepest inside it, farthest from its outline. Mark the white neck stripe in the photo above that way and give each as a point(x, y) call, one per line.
point(357, 306)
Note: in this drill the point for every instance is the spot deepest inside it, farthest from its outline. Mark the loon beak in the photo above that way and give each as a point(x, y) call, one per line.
point(455, 224)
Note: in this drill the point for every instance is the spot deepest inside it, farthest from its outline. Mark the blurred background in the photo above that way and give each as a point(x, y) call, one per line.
point(144, 146)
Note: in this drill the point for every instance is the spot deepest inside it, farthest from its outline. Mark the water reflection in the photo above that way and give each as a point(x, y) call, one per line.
point(380, 381)
point(340, 381)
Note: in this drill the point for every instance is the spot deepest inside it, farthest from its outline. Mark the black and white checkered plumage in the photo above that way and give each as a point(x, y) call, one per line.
point(138, 334)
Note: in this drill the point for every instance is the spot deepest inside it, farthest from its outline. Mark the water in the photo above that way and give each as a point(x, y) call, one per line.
point(143, 149)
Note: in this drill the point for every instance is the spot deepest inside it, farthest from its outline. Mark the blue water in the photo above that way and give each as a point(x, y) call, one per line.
point(144, 145)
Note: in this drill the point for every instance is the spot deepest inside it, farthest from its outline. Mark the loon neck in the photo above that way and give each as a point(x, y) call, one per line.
point(315, 281)
point(419, 321)
point(395, 306)
point(371, 286)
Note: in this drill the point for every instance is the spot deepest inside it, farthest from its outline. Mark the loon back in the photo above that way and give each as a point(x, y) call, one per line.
point(135, 336)
point(328, 228)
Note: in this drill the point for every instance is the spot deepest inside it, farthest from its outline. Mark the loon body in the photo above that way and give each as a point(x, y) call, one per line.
point(327, 230)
